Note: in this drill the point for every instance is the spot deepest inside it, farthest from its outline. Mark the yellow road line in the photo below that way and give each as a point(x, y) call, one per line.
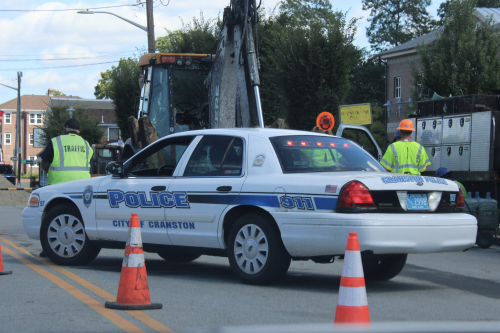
point(87, 300)
point(149, 321)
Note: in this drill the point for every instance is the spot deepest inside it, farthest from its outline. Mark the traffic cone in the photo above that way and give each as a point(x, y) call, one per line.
point(352, 306)
point(133, 289)
point(2, 272)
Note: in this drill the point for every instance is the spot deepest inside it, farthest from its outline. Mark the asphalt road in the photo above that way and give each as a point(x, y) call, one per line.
point(204, 294)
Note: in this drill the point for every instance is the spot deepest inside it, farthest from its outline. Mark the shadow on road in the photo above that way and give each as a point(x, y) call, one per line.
point(473, 285)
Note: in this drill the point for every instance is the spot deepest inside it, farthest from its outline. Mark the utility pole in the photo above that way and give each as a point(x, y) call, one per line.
point(151, 26)
point(18, 129)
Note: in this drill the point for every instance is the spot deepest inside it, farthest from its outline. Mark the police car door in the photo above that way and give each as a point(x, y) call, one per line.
point(212, 180)
point(143, 190)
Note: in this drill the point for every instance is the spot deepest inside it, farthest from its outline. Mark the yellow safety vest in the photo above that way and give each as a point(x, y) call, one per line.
point(71, 160)
point(464, 192)
point(405, 157)
point(323, 157)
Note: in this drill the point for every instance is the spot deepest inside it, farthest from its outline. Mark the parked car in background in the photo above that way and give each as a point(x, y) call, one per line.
point(7, 171)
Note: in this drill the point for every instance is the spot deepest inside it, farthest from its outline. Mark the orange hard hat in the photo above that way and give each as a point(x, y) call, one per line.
point(406, 125)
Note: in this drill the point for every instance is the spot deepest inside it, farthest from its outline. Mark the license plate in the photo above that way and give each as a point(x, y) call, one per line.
point(417, 202)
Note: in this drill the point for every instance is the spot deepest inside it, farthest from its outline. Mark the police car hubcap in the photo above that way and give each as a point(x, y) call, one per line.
point(251, 249)
point(66, 236)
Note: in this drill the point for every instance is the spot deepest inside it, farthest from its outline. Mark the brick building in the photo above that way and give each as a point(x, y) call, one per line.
point(399, 83)
point(33, 110)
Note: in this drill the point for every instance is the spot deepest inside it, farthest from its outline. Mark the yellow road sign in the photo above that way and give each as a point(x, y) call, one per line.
point(356, 114)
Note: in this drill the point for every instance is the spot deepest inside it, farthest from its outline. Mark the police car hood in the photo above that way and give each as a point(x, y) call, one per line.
point(376, 181)
point(69, 188)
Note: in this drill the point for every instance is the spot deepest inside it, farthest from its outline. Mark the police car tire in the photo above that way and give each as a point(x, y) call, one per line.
point(178, 257)
point(278, 259)
point(88, 252)
point(383, 269)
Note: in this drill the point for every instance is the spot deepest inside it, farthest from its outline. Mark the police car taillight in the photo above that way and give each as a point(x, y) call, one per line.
point(460, 199)
point(355, 196)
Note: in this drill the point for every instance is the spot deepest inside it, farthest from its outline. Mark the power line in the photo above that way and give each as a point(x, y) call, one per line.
point(34, 68)
point(65, 10)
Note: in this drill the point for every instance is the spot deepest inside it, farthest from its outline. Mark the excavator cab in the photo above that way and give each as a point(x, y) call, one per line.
point(173, 93)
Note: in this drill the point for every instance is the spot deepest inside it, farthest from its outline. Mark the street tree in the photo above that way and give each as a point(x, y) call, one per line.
point(198, 36)
point(120, 83)
point(57, 116)
point(394, 22)
point(463, 53)
point(306, 51)
point(57, 93)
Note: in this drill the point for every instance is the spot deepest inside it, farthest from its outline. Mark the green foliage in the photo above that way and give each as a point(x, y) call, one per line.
point(462, 54)
point(58, 93)
point(120, 84)
point(394, 22)
point(444, 8)
point(367, 79)
point(306, 53)
point(199, 36)
point(57, 116)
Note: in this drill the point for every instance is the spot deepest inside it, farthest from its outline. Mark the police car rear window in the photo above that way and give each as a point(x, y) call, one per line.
point(298, 154)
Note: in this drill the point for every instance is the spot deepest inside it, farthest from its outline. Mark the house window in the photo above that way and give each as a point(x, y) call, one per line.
point(33, 158)
point(7, 118)
point(36, 119)
point(31, 139)
point(7, 139)
point(397, 87)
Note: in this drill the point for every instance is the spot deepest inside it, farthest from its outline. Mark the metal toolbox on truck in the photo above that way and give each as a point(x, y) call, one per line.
point(429, 131)
point(456, 157)
point(456, 129)
point(481, 141)
point(434, 153)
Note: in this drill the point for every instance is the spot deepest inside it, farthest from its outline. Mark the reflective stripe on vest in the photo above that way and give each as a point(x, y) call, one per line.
point(71, 159)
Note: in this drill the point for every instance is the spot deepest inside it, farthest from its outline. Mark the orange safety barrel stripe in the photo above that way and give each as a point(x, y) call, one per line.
point(133, 249)
point(353, 282)
point(358, 315)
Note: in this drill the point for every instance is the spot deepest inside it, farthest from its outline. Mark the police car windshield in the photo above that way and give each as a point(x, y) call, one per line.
point(298, 154)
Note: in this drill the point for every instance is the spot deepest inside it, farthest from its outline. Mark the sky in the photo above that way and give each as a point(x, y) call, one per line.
point(68, 51)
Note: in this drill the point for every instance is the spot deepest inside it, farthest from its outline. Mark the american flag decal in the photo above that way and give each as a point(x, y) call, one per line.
point(331, 189)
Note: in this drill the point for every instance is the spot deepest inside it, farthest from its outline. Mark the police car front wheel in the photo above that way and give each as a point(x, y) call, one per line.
point(63, 237)
point(255, 250)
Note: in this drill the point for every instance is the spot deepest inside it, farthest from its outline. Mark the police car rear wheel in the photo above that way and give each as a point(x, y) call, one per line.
point(383, 268)
point(256, 252)
point(63, 237)
point(178, 257)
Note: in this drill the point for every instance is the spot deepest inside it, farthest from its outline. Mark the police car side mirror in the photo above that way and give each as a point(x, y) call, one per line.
point(115, 168)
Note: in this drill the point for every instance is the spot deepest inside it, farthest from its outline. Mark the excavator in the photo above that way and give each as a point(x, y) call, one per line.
point(182, 92)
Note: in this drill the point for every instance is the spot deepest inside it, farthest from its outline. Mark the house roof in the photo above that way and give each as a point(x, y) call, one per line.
point(485, 13)
point(29, 102)
point(410, 47)
point(102, 104)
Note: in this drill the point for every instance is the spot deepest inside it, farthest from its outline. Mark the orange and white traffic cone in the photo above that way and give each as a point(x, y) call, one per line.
point(352, 306)
point(2, 272)
point(133, 289)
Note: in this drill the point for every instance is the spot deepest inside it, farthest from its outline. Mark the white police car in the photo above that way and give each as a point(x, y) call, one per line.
point(259, 196)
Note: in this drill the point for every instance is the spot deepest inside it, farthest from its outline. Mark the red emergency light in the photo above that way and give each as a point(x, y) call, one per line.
point(167, 59)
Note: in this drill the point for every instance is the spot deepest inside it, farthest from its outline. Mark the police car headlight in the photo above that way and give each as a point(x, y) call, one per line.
point(33, 200)
point(434, 198)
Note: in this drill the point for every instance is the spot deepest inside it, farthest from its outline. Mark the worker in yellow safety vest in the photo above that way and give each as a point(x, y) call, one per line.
point(67, 157)
point(405, 156)
point(447, 174)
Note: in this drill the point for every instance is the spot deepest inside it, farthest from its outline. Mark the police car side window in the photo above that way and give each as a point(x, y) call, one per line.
point(160, 159)
point(216, 156)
